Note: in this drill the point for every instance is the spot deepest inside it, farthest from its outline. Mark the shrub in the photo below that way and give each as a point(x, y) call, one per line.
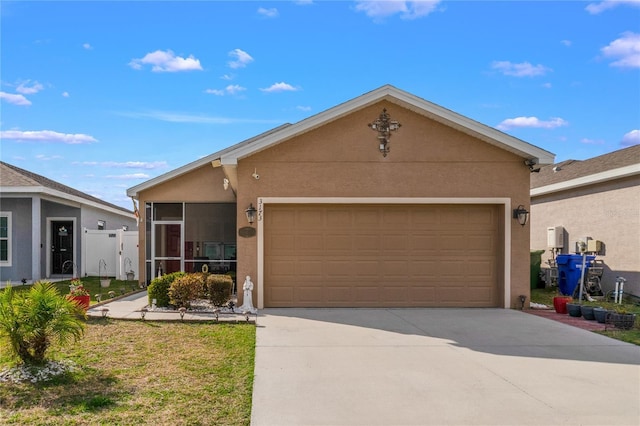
point(219, 288)
point(185, 289)
point(31, 320)
point(159, 288)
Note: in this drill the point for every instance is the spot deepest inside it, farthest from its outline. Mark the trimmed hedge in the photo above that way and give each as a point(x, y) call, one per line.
point(219, 289)
point(185, 289)
point(159, 288)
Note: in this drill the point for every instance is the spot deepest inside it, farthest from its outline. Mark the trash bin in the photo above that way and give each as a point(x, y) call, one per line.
point(536, 261)
point(570, 270)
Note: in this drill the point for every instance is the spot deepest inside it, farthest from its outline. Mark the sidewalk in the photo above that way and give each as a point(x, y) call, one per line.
point(131, 308)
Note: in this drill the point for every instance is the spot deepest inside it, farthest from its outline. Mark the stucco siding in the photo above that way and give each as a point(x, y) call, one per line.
point(609, 212)
point(427, 159)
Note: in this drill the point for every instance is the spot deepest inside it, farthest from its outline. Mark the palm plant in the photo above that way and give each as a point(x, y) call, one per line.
point(31, 320)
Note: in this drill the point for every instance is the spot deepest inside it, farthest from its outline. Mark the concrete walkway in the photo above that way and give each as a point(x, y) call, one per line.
point(438, 367)
point(428, 367)
point(130, 307)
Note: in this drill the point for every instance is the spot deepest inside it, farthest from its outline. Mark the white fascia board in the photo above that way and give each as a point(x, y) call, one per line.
point(61, 198)
point(414, 103)
point(613, 174)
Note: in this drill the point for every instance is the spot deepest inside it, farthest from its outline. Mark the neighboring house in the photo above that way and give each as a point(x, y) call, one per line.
point(597, 198)
point(351, 214)
point(41, 222)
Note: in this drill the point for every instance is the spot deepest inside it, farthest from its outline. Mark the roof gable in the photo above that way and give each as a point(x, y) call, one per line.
point(229, 157)
point(14, 179)
point(574, 173)
point(403, 99)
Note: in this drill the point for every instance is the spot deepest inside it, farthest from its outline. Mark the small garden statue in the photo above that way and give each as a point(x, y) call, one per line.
point(247, 301)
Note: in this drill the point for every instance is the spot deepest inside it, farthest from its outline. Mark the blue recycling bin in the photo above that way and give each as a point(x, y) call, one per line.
point(570, 270)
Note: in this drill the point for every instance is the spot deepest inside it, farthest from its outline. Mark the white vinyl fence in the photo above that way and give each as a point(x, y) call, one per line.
point(109, 253)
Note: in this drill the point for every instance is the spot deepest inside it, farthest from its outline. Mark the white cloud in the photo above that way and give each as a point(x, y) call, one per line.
point(231, 89)
point(65, 94)
point(626, 51)
point(126, 165)
point(129, 176)
point(303, 108)
point(523, 69)
point(28, 88)
point(407, 9)
point(241, 59)
point(567, 43)
point(87, 46)
point(546, 85)
point(176, 117)
point(592, 141)
point(47, 136)
point(511, 123)
point(631, 138)
point(268, 13)
point(15, 99)
point(43, 157)
point(227, 77)
point(166, 61)
point(597, 8)
point(280, 87)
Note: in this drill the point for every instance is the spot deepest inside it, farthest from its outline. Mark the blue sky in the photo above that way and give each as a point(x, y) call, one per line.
point(102, 96)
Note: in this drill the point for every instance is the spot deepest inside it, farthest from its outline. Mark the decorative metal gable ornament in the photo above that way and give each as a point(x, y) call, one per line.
point(384, 126)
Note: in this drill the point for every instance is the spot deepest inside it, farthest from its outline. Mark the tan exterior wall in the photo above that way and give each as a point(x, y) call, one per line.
point(609, 212)
point(427, 159)
point(203, 184)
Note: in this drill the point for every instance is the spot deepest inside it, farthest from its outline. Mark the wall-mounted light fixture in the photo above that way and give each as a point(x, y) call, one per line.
point(251, 214)
point(225, 183)
point(384, 126)
point(521, 214)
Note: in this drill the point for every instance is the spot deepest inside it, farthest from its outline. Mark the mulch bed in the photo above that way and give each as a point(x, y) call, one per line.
point(568, 319)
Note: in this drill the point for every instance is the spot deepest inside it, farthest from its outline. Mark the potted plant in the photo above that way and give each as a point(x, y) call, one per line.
point(79, 294)
point(600, 314)
point(588, 312)
point(622, 319)
point(574, 309)
point(560, 303)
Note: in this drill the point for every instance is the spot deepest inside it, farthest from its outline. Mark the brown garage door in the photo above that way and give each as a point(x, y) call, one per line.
point(381, 255)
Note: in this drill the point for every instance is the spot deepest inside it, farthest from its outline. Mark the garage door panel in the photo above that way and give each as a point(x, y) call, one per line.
point(308, 269)
point(365, 295)
point(394, 243)
point(371, 243)
point(309, 242)
point(279, 296)
point(366, 269)
point(369, 256)
point(339, 294)
point(341, 242)
point(395, 294)
point(338, 268)
point(308, 293)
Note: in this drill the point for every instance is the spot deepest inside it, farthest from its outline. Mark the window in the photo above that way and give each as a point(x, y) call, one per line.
point(5, 238)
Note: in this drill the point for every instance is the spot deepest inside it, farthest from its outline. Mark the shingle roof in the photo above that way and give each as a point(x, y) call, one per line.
point(572, 169)
point(12, 176)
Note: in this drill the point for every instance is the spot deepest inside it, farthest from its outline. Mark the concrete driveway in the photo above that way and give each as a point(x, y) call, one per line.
point(438, 367)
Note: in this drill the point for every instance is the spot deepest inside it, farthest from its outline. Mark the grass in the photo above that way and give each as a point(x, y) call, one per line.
point(134, 372)
point(545, 296)
point(92, 284)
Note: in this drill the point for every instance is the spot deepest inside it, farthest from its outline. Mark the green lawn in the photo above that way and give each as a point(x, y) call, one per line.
point(545, 296)
point(135, 372)
point(92, 284)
